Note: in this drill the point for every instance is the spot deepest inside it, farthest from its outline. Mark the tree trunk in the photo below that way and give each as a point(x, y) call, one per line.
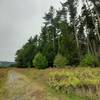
point(77, 41)
point(97, 20)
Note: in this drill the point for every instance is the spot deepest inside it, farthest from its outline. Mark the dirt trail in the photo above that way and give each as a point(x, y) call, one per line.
point(19, 87)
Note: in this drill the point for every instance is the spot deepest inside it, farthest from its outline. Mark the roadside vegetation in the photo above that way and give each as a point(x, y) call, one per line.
point(41, 78)
point(30, 83)
point(3, 79)
point(3, 76)
point(80, 81)
point(56, 83)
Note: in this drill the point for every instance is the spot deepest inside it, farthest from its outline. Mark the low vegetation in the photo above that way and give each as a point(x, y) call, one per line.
point(40, 61)
point(89, 60)
point(41, 77)
point(80, 81)
point(60, 61)
point(62, 83)
point(3, 78)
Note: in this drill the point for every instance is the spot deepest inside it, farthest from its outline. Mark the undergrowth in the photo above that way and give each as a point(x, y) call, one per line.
point(80, 81)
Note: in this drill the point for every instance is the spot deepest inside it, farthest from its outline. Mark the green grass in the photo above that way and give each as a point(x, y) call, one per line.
point(64, 96)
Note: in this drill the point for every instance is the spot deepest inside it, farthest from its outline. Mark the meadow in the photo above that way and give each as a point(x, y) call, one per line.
point(79, 81)
point(58, 84)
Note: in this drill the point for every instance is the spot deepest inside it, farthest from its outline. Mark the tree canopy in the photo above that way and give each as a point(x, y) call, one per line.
point(67, 32)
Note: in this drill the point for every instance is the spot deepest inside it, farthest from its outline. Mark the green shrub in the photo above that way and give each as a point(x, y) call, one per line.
point(89, 60)
point(80, 81)
point(60, 61)
point(40, 61)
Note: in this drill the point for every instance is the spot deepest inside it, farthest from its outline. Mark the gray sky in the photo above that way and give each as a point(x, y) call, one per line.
point(20, 19)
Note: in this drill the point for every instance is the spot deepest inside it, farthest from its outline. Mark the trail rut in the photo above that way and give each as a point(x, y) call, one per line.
point(20, 87)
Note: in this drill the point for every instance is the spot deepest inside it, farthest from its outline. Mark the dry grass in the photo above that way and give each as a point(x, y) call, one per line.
point(80, 81)
point(41, 77)
point(3, 78)
point(38, 81)
point(25, 84)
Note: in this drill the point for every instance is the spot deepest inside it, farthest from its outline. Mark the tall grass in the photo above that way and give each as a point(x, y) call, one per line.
point(3, 78)
point(79, 81)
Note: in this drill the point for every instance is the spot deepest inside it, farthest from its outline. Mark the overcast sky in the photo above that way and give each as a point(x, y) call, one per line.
point(20, 19)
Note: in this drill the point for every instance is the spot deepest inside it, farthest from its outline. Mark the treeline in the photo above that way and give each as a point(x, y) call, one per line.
point(68, 35)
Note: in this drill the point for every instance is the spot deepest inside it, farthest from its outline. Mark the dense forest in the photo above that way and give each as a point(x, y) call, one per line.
point(69, 36)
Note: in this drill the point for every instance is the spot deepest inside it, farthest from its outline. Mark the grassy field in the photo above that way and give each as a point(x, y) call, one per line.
point(3, 78)
point(51, 84)
point(79, 81)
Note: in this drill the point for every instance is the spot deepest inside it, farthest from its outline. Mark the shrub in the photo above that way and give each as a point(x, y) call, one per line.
point(60, 61)
point(80, 81)
point(89, 60)
point(40, 61)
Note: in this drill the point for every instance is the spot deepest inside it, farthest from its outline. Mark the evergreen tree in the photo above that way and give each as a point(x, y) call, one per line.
point(25, 55)
point(67, 32)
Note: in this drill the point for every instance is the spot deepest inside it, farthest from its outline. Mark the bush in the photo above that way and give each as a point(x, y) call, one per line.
point(80, 81)
point(60, 61)
point(40, 61)
point(89, 60)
